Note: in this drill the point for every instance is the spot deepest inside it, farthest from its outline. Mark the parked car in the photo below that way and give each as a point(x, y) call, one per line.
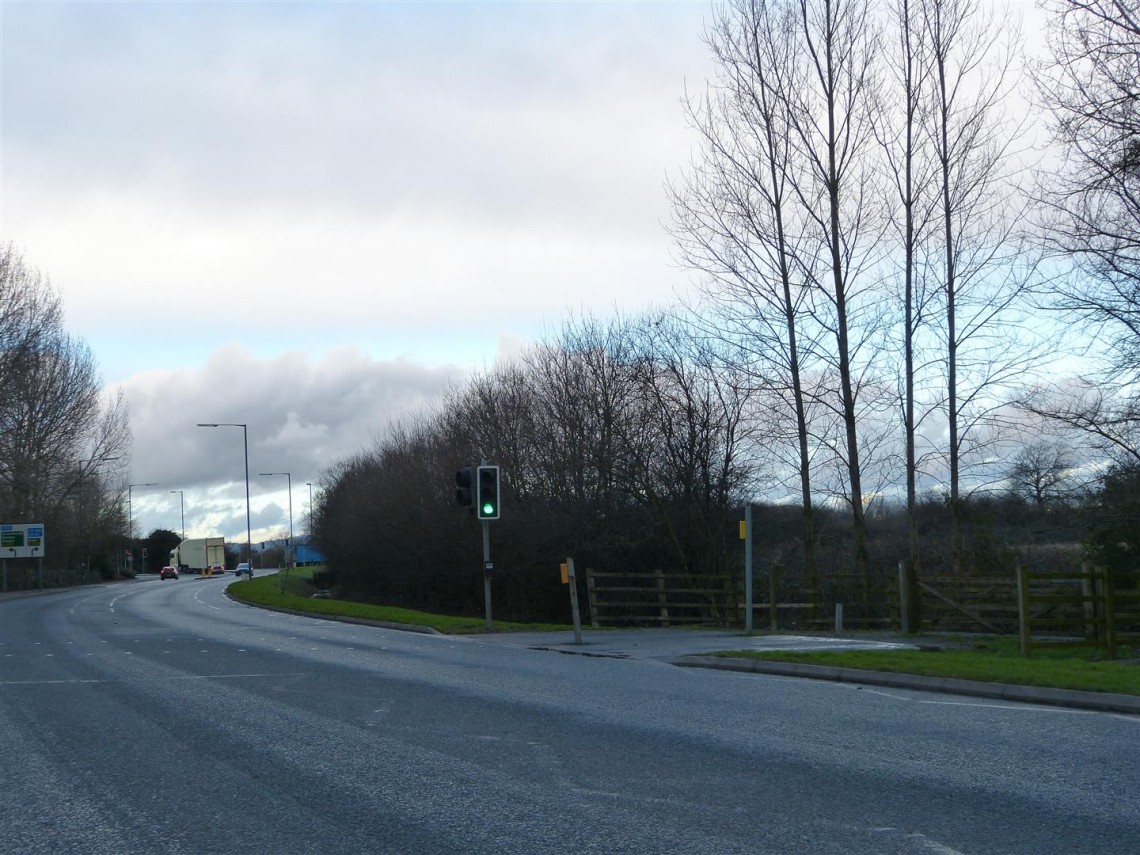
point(245, 568)
point(168, 572)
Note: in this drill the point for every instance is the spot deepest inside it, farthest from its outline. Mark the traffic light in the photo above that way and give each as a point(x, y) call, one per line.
point(487, 499)
point(464, 481)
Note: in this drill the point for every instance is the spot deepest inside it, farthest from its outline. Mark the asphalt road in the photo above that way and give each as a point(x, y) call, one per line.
point(162, 717)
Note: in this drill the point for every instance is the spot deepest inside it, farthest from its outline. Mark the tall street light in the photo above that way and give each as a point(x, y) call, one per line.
point(182, 506)
point(310, 486)
point(131, 513)
point(290, 477)
point(248, 526)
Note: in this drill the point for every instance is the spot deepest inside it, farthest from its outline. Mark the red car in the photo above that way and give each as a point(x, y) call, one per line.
point(168, 572)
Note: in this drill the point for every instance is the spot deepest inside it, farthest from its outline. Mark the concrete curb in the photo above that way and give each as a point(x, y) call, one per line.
point(1098, 701)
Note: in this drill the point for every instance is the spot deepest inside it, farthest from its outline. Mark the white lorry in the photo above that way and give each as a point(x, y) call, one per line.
point(199, 555)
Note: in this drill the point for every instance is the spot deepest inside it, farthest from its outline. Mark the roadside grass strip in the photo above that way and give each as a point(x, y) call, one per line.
point(265, 591)
point(1077, 670)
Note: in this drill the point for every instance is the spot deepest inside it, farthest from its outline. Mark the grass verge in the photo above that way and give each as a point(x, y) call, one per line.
point(266, 591)
point(992, 661)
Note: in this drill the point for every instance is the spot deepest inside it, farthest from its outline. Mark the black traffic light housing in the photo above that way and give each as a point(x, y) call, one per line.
point(464, 484)
point(487, 492)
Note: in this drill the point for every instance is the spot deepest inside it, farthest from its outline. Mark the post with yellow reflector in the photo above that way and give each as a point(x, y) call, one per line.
point(568, 579)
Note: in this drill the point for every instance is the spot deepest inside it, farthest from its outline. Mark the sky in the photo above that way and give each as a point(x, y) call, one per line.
point(315, 219)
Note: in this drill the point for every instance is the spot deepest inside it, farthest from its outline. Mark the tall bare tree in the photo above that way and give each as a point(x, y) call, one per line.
point(986, 271)
point(912, 172)
point(832, 118)
point(782, 212)
point(1091, 202)
point(737, 218)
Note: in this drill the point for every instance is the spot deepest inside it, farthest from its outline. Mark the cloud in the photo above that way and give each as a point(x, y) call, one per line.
point(303, 216)
point(302, 415)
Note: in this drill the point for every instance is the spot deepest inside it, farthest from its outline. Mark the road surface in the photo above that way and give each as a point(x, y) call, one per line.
point(162, 717)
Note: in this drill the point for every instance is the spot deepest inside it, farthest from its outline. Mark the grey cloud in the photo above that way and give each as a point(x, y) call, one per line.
point(301, 415)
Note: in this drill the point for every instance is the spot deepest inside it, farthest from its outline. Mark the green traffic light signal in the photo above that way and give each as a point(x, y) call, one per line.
point(487, 485)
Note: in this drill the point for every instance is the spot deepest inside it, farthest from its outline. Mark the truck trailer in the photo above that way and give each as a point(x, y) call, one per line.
point(199, 554)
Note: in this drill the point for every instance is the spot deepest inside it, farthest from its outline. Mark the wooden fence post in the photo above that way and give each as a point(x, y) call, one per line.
point(1023, 609)
point(1109, 612)
point(907, 616)
point(772, 595)
point(1089, 589)
point(592, 598)
point(662, 600)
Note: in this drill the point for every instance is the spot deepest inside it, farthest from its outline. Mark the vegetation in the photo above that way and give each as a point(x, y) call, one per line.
point(63, 447)
point(298, 596)
point(995, 660)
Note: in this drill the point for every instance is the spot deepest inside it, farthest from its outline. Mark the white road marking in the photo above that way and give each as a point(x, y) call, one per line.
point(1009, 706)
point(935, 846)
point(1019, 706)
point(175, 677)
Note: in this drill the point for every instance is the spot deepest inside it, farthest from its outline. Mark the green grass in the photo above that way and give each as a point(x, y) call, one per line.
point(265, 591)
point(993, 660)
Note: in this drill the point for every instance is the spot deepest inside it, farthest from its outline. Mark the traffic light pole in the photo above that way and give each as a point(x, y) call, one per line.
point(487, 570)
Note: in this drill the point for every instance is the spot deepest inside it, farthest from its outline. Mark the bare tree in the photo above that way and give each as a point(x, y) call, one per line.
point(737, 219)
point(1091, 203)
point(832, 120)
point(912, 171)
point(782, 211)
point(985, 268)
point(1041, 473)
point(60, 441)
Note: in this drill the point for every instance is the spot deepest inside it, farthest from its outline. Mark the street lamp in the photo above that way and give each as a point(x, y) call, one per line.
point(248, 526)
point(310, 486)
point(131, 513)
point(182, 506)
point(290, 477)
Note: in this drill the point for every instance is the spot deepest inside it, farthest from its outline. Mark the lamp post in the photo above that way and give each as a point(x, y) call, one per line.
point(131, 514)
point(290, 477)
point(182, 507)
point(310, 486)
point(248, 526)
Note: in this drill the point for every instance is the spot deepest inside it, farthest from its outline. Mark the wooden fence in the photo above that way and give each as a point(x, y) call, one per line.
point(664, 599)
point(1077, 608)
point(1072, 604)
point(1092, 606)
